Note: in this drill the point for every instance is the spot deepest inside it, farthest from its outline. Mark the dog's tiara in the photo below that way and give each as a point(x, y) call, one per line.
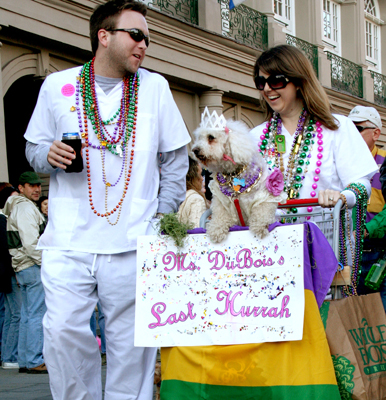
point(212, 121)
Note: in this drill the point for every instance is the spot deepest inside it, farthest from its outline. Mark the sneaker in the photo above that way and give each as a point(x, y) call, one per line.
point(22, 370)
point(10, 365)
point(40, 369)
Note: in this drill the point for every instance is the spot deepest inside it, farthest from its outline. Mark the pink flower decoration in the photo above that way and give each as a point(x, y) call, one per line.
point(275, 182)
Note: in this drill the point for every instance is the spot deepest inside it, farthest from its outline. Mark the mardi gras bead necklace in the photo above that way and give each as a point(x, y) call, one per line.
point(118, 142)
point(361, 196)
point(272, 148)
point(240, 181)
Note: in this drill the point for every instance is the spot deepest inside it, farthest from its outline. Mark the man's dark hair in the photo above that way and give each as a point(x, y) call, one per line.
point(105, 17)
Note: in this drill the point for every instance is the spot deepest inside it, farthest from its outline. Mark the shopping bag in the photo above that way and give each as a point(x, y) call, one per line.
point(356, 333)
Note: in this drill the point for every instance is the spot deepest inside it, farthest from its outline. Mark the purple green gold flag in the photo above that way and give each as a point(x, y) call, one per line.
point(287, 370)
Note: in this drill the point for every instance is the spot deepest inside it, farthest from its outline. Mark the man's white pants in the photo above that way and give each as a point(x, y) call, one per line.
point(73, 283)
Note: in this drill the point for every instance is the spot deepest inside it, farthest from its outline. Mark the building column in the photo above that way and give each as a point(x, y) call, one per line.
point(213, 100)
point(368, 84)
point(4, 177)
point(324, 68)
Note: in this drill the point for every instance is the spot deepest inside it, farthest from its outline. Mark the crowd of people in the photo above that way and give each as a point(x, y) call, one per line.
point(62, 263)
point(23, 217)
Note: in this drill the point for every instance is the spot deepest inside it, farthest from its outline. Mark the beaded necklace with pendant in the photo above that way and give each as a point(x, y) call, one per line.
point(272, 148)
point(124, 130)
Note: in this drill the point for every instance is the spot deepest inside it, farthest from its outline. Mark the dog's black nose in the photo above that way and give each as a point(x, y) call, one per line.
point(196, 151)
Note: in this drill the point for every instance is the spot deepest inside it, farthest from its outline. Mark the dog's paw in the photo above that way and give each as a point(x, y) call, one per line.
point(261, 231)
point(217, 234)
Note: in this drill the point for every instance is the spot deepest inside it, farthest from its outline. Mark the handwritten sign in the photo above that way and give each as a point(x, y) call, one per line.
point(243, 290)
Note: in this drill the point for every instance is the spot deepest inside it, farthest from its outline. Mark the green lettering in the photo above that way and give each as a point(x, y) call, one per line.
point(379, 327)
point(357, 338)
point(362, 330)
point(370, 335)
point(363, 354)
point(377, 353)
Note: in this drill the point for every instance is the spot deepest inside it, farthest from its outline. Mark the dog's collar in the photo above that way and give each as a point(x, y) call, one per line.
point(240, 181)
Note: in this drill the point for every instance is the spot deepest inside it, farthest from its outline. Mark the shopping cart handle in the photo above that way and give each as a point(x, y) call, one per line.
point(299, 203)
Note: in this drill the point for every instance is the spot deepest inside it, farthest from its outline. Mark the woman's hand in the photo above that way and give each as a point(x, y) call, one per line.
point(328, 197)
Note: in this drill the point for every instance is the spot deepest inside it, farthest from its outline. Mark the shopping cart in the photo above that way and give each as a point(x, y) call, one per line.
point(326, 219)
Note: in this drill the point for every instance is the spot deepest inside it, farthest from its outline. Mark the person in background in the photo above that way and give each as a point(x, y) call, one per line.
point(369, 124)
point(42, 204)
point(24, 226)
point(194, 205)
point(101, 324)
point(2, 295)
point(9, 290)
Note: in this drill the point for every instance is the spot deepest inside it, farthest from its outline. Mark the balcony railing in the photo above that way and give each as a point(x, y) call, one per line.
point(245, 25)
point(310, 50)
point(379, 88)
point(346, 76)
point(187, 10)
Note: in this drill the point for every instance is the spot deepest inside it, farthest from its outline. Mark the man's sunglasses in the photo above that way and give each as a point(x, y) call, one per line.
point(362, 128)
point(136, 34)
point(274, 82)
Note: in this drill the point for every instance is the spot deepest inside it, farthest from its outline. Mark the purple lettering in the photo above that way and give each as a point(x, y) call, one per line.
point(248, 261)
point(190, 310)
point(264, 311)
point(281, 260)
point(167, 259)
point(157, 309)
point(273, 312)
point(220, 296)
point(213, 256)
point(231, 304)
point(283, 310)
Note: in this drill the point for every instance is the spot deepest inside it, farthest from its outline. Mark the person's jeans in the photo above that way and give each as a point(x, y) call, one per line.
point(2, 316)
point(368, 259)
point(101, 323)
point(9, 345)
point(33, 310)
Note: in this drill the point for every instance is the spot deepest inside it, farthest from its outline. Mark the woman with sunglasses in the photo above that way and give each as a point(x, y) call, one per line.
point(319, 153)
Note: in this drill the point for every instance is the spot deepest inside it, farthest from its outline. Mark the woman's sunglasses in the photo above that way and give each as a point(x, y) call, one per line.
point(274, 82)
point(136, 34)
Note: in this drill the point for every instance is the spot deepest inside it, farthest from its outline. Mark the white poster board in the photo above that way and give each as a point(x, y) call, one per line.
point(243, 290)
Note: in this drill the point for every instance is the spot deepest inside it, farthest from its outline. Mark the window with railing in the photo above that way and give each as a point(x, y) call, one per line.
point(379, 88)
point(346, 76)
point(310, 50)
point(245, 25)
point(372, 34)
point(187, 10)
point(331, 25)
point(284, 13)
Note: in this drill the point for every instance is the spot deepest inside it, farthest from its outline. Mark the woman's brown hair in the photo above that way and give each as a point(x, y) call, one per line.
point(291, 62)
point(193, 181)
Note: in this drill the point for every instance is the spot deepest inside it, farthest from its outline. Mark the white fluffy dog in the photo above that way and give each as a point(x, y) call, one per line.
point(239, 186)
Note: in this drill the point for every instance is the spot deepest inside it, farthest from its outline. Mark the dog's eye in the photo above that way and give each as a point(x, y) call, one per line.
point(211, 138)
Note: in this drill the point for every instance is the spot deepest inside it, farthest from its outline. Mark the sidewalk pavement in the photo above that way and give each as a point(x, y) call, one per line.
point(15, 386)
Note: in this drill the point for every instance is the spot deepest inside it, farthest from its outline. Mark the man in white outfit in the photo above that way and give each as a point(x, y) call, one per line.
point(130, 128)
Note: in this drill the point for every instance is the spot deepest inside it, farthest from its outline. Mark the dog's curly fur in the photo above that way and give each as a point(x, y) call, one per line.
point(258, 206)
